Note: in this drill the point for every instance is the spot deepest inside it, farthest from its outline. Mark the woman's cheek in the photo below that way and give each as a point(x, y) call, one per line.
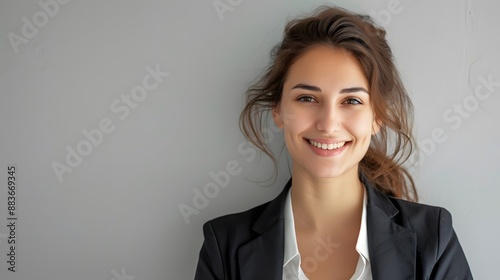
point(298, 122)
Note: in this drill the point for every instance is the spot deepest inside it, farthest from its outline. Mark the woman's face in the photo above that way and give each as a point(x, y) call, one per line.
point(325, 113)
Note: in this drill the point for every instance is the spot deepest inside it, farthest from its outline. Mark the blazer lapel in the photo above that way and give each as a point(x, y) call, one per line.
point(392, 247)
point(262, 258)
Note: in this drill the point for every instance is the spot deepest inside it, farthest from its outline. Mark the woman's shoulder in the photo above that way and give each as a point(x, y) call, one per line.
point(425, 219)
point(245, 224)
point(437, 244)
point(412, 209)
point(409, 214)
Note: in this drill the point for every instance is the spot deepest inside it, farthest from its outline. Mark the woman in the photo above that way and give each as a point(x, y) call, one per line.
point(333, 89)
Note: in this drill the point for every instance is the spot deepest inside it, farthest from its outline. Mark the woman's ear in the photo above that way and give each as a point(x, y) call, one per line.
point(277, 117)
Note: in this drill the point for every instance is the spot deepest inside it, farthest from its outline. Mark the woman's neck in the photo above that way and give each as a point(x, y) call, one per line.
point(325, 205)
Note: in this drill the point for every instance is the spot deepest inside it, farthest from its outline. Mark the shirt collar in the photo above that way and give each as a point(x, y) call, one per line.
point(291, 249)
point(362, 243)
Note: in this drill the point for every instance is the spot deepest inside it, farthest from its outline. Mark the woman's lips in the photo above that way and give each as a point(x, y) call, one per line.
point(326, 145)
point(327, 148)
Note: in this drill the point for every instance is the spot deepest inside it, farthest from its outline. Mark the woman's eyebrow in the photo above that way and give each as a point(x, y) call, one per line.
point(317, 89)
point(353, 89)
point(307, 87)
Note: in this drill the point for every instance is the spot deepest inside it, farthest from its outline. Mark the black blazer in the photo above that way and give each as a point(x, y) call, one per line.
point(405, 240)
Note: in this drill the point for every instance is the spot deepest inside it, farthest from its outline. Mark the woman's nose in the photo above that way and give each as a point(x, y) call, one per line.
point(329, 119)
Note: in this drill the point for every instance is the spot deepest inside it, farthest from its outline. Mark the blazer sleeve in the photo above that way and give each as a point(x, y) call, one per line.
point(210, 264)
point(451, 262)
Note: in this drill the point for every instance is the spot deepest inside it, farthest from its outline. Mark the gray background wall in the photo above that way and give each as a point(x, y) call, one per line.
point(104, 165)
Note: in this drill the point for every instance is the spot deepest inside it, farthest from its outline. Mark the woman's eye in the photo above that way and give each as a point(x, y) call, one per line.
point(353, 101)
point(306, 98)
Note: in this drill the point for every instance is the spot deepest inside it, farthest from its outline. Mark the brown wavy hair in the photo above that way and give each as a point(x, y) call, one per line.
point(339, 28)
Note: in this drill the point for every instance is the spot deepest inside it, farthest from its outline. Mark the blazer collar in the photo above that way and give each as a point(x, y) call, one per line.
point(392, 247)
point(262, 258)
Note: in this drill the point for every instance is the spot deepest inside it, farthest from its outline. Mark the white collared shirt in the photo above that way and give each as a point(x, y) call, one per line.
point(292, 262)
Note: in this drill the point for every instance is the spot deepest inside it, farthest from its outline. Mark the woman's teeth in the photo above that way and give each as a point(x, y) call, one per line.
point(325, 146)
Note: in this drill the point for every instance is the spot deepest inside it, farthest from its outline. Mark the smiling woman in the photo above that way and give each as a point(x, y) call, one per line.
point(333, 89)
